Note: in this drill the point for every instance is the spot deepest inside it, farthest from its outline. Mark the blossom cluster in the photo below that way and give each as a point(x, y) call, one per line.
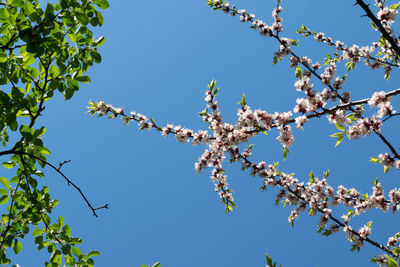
point(182, 134)
point(387, 16)
point(388, 161)
point(353, 54)
point(257, 24)
point(380, 100)
point(315, 196)
point(363, 127)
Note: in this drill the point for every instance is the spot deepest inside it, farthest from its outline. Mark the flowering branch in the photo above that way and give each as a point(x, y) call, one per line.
point(351, 54)
point(335, 108)
point(319, 100)
point(314, 194)
point(223, 138)
point(382, 29)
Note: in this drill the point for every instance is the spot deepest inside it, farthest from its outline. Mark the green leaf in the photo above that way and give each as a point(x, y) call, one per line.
point(25, 229)
point(103, 4)
point(51, 248)
point(46, 219)
point(4, 15)
point(3, 57)
point(386, 169)
point(5, 182)
point(243, 103)
point(8, 164)
point(340, 127)
point(99, 17)
point(49, 13)
point(157, 264)
point(60, 221)
point(37, 232)
point(230, 208)
point(72, 37)
point(374, 160)
point(76, 251)
point(18, 3)
point(212, 85)
point(93, 253)
point(15, 179)
point(96, 56)
point(395, 6)
point(391, 262)
point(39, 132)
point(99, 41)
point(82, 17)
point(337, 134)
point(339, 140)
point(299, 72)
point(17, 247)
point(53, 71)
point(67, 230)
point(269, 260)
point(83, 79)
point(4, 199)
point(285, 151)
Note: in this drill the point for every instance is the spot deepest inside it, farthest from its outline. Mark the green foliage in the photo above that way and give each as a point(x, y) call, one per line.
point(391, 262)
point(285, 152)
point(270, 263)
point(157, 264)
point(340, 135)
point(43, 49)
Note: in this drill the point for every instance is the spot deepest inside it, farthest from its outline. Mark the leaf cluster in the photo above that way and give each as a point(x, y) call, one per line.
point(43, 50)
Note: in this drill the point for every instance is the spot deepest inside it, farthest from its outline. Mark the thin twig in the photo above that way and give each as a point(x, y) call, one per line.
point(69, 182)
point(62, 164)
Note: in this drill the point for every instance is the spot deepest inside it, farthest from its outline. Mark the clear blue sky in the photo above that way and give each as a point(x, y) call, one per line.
point(158, 58)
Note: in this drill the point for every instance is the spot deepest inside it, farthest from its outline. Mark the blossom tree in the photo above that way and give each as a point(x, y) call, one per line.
point(323, 96)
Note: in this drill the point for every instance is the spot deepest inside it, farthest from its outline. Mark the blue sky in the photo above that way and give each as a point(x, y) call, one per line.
point(158, 58)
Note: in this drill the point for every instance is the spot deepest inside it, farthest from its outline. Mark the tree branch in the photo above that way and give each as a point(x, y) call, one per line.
point(69, 182)
point(337, 221)
point(382, 30)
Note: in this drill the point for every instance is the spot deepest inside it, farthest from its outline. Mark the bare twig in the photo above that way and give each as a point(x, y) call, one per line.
point(69, 182)
point(62, 164)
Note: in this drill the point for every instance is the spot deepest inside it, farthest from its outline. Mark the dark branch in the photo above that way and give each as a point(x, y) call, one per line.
point(69, 182)
point(378, 24)
point(62, 164)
